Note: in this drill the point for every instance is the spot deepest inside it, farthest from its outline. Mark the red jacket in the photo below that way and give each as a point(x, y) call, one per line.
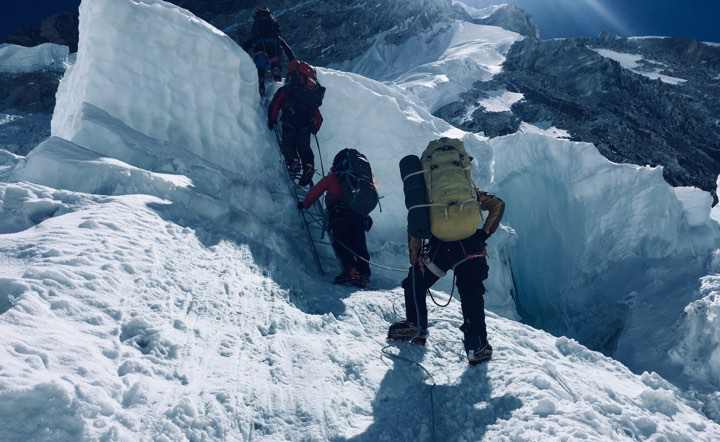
point(277, 103)
point(329, 184)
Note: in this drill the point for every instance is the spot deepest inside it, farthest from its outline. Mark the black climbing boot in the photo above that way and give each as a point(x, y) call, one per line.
point(307, 175)
point(476, 350)
point(407, 331)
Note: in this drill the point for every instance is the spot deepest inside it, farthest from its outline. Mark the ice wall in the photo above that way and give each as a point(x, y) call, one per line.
point(166, 74)
point(604, 251)
point(16, 59)
point(698, 351)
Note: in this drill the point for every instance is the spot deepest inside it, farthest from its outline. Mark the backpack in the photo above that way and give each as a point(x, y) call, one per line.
point(264, 24)
point(357, 183)
point(452, 195)
point(303, 91)
point(304, 76)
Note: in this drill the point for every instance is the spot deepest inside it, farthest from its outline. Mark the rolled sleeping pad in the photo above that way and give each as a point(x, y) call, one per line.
point(415, 194)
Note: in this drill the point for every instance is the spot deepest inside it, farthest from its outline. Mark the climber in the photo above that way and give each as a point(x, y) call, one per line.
point(351, 196)
point(298, 101)
point(266, 46)
point(450, 206)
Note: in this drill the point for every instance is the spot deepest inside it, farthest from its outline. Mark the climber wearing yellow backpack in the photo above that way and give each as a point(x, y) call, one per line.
point(444, 213)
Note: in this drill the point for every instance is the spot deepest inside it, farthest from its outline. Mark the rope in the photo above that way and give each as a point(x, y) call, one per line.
point(386, 353)
point(452, 291)
point(402, 358)
point(449, 299)
point(332, 237)
point(322, 166)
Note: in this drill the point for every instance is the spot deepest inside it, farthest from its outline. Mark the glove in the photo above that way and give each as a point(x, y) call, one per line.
point(367, 223)
point(483, 235)
point(271, 125)
point(300, 206)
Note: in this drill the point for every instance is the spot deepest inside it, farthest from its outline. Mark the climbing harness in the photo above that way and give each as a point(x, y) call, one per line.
point(435, 270)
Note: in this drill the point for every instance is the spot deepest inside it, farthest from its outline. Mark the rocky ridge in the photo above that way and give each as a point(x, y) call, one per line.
point(670, 121)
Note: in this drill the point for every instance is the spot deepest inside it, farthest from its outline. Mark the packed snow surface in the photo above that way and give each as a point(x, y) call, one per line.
point(155, 284)
point(631, 62)
point(132, 328)
point(16, 59)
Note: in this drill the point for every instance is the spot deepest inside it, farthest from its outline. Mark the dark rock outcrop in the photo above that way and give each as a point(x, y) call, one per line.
point(330, 31)
point(29, 92)
point(26, 104)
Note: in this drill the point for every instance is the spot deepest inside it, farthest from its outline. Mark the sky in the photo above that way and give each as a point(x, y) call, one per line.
point(23, 13)
point(697, 19)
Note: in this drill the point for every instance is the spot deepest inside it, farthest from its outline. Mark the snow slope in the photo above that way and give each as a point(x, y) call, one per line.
point(631, 62)
point(435, 68)
point(16, 59)
point(479, 13)
point(125, 326)
point(153, 285)
point(500, 101)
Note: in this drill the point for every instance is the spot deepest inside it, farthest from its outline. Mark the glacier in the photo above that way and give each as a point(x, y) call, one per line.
point(153, 286)
point(16, 59)
point(437, 66)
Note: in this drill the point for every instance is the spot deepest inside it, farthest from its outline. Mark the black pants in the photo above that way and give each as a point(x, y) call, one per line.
point(470, 276)
point(296, 142)
point(274, 70)
point(348, 232)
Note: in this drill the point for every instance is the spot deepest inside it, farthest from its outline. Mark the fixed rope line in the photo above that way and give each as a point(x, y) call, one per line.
point(361, 258)
point(322, 166)
point(408, 360)
point(403, 358)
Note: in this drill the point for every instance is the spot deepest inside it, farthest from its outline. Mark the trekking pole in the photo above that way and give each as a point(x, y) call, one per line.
point(322, 167)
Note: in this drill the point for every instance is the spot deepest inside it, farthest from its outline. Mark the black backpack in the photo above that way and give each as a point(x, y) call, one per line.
point(264, 24)
point(357, 183)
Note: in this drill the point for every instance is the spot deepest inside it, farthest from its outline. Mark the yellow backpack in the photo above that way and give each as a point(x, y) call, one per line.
point(452, 195)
